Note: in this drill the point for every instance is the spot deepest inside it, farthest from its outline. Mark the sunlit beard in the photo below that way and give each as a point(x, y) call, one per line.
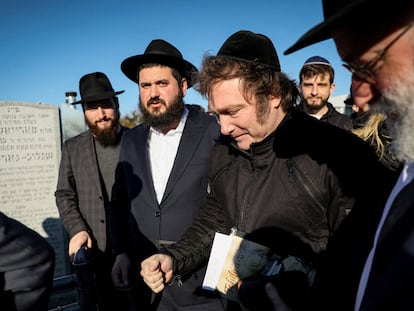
point(106, 136)
point(315, 107)
point(398, 104)
point(165, 119)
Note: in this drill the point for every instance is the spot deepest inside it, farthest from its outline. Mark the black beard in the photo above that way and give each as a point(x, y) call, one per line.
point(107, 136)
point(173, 113)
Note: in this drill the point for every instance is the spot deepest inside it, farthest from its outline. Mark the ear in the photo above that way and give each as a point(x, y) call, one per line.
point(184, 86)
point(275, 102)
point(332, 88)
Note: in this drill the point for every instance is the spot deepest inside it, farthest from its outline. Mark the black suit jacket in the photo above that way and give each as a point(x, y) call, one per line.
point(186, 187)
point(391, 282)
point(134, 200)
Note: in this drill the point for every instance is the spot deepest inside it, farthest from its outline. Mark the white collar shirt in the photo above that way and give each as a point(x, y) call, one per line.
point(162, 151)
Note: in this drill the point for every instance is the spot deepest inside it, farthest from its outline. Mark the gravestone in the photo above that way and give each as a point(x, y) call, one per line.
point(30, 150)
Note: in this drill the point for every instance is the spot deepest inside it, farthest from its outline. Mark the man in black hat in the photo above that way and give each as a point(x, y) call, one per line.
point(275, 173)
point(369, 264)
point(83, 194)
point(162, 174)
point(316, 84)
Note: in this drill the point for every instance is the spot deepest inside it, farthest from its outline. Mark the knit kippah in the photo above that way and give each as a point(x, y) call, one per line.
point(317, 60)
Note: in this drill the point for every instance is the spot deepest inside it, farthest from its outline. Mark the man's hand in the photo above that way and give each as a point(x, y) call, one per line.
point(121, 272)
point(80, 239)
point(156, 271)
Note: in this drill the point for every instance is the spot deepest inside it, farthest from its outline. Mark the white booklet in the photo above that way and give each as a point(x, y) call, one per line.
point(233, 258)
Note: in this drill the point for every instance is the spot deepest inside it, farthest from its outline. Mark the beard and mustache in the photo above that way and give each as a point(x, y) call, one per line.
point(106, 136)
point(163, 120)
point(398, 105)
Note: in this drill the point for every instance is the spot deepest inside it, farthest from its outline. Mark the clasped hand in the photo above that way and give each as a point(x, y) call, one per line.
point(157, 271)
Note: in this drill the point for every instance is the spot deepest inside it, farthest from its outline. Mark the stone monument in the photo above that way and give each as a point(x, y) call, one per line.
point(30, 150)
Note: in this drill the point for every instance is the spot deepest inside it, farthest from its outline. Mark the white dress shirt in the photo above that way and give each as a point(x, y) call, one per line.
point(162, 151)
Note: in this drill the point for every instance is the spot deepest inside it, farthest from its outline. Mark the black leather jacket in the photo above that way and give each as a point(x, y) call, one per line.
point(298, 180)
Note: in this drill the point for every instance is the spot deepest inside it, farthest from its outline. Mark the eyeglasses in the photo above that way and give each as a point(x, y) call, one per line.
point(367, 71)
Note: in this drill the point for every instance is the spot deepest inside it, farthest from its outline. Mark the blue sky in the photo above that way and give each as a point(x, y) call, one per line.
point(47, 45)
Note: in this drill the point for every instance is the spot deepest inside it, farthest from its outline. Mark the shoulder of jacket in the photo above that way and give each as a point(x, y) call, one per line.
point(80, 137)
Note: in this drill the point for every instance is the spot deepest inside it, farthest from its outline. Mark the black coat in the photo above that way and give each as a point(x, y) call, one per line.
point(300, 180)
point(27, 263)
point(334, 117)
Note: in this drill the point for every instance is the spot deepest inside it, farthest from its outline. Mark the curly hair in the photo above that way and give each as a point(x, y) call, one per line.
point(258, 81)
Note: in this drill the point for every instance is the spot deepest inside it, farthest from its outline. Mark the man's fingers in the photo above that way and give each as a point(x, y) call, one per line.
point(156, 271)
point(154, 280)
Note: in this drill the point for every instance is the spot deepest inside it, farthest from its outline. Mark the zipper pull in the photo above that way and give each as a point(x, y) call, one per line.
point(233, 231)
point(290, 167)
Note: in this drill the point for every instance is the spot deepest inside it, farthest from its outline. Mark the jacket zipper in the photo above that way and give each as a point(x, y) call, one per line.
point(248, 188)
point(292, 168)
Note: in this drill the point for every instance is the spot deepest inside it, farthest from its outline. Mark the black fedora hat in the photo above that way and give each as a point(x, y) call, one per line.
point(350, 12)
point(334, 11)
point(95, 86)
point(251, 47)
point(159, 52)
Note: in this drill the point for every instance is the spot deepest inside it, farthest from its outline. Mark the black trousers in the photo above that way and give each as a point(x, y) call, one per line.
point(95, 287)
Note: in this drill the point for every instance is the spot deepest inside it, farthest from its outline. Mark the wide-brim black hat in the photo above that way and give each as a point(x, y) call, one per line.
point(160, 52)
point(94, 87)
point(251, 47)
point(335, 12)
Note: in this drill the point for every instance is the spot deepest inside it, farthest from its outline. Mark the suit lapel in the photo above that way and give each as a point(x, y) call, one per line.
point(394, 244)
point(88, 149)
point(189, 142)
point(401, 209)
point(143, 160)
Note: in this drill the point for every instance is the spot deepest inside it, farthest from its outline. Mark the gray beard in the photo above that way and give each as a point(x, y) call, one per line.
point(398, 105)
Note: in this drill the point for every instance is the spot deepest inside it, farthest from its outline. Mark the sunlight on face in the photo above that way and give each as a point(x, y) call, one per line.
point(397, 102)
point(392, 89)
point(316, 91)
point(101, 115)
point(102, 119)
point(158, 89)
point(237, 117)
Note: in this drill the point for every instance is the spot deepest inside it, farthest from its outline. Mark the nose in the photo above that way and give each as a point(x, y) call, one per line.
point(101, 112)
point(314, 90)
point(363, 91)
point(154, 92)
point(226, 127)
